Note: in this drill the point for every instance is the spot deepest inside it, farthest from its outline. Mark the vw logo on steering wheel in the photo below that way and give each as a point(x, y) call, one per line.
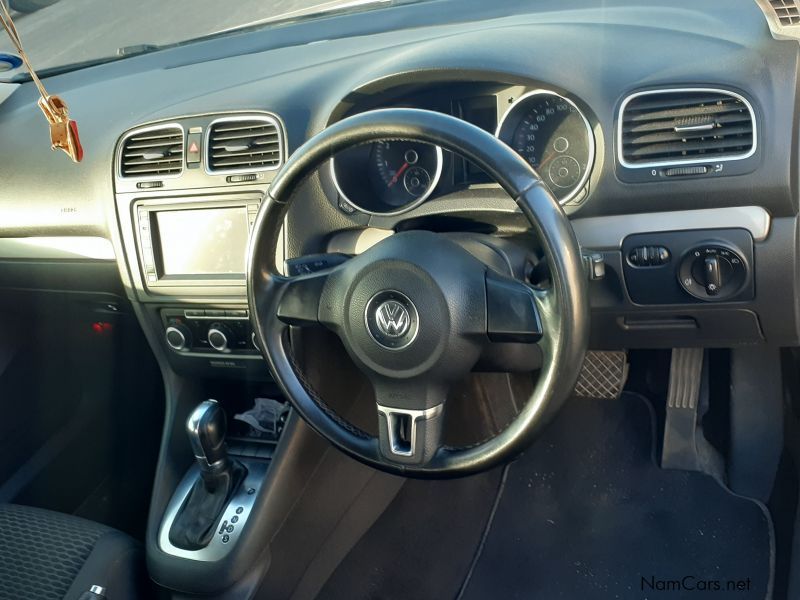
point(392, 319)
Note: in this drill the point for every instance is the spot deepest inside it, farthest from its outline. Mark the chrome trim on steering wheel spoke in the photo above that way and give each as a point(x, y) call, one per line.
point(392, 414)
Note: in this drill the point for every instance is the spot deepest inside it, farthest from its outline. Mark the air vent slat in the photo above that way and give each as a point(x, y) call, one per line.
point(688, 147)
point(155, 153)
point(684, 126)
point(137, 145)
point(251, 144)
point(258, 153)
point(224, 127)
point(246, 136)
point(141, 137)
point(669, 125)
point(160, 161)
point(669, 100)
point(701, 110)
point(144, 171)
point(232, 162)
point(669, 136)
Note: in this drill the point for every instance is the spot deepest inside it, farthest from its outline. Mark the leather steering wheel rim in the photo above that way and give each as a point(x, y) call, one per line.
point(563, 307)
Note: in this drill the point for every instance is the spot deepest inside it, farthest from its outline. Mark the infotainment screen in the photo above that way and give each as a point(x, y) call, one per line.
point(207, 241)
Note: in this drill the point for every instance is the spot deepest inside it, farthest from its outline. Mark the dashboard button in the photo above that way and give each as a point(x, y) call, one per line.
point(685, 171)
point(194, 145)
point(649, 256)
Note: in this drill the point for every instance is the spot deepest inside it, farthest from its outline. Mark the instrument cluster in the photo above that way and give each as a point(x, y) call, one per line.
point(545, 128)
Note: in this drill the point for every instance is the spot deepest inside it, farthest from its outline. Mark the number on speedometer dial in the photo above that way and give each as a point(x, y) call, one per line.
point(551, 134)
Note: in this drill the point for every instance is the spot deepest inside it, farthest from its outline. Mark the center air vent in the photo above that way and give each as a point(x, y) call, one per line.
point(152, 152)
point(238, 144)
point(684, 126)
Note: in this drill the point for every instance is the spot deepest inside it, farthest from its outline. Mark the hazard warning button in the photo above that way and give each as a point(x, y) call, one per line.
point(194, 145)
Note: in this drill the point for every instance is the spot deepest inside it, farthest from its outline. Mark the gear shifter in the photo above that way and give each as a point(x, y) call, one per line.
point(207, 427)
point(194, 525)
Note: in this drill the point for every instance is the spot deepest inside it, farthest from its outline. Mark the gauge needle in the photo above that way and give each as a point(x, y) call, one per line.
point(544, 162)
point(400, 171)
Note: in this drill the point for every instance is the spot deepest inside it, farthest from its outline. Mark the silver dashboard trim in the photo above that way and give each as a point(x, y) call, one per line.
point(216, 549)
point(57, 248)
point(599, 233)
point(266, 118)
point(691, 160)
point(607, 233)
point(414, 416)
point(403, 209)
point(579, 187)
point(145, 129)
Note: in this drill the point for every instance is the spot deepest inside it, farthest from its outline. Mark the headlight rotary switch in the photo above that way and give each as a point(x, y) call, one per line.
point(712, 272)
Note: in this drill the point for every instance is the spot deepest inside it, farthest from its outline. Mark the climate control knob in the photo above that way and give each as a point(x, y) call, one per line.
point(178, 336)
point(220, 337)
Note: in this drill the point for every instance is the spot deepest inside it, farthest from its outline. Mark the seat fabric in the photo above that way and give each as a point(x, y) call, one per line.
point(50, 556)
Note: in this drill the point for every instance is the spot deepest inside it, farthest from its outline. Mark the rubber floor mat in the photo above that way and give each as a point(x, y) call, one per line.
point(587, 514)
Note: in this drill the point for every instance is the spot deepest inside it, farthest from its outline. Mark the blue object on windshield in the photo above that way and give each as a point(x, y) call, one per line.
point(9, 61)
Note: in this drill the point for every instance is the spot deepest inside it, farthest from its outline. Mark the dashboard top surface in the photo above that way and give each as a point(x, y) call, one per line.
point(312, 73)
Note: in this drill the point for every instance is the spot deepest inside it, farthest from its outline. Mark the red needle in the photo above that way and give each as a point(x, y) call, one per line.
point(400, 171)
point(543, 163)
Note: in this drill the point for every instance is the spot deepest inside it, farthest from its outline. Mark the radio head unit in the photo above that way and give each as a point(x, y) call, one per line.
point(194, 243)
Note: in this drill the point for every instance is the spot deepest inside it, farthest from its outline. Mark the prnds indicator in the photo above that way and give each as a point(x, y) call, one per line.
point(712, 272)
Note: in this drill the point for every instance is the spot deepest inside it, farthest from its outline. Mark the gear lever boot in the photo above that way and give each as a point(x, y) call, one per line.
point(220, 475)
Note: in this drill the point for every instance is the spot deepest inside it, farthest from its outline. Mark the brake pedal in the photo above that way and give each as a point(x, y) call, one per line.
point(603, 375)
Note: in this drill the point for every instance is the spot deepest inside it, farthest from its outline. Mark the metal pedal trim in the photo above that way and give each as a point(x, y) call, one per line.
point(603, 375)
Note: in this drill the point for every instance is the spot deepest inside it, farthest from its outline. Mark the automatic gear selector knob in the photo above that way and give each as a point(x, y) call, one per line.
point(207, 426)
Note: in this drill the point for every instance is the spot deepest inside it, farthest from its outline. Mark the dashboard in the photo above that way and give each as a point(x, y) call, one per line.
point(655, 155)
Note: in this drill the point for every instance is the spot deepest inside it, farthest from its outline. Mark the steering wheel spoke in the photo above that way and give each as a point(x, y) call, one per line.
point(300, 298)
point(512, 312)
point(410, 416)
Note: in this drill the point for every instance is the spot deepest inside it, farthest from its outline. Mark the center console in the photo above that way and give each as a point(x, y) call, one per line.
point(187, 194)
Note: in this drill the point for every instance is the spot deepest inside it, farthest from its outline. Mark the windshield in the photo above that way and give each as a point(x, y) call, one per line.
point(56, 33)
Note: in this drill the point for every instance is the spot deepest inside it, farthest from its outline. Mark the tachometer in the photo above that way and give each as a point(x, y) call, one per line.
point(399, 175)
point(553, 135)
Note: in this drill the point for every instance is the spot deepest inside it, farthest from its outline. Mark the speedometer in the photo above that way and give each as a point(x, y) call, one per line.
point(554, 137)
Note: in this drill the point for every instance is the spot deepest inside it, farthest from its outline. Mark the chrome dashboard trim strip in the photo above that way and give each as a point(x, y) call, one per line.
point(692, 160)
point(241, 117)
point(57, 248)
point(145, 129)
point(403, 209)
point(607, 233)
point(584, 180)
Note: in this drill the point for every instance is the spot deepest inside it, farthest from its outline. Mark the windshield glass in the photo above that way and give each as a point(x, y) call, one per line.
point(56, 33)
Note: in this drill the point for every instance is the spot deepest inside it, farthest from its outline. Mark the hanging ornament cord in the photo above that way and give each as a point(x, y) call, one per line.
point(63, 130)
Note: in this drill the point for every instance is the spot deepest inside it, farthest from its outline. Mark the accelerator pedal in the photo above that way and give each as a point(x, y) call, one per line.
point(685, 447)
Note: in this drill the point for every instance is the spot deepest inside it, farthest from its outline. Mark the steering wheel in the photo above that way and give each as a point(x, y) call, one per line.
point(416, 311)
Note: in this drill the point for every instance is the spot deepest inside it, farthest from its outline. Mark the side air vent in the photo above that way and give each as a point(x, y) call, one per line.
point(152, 152)
point(684, 126)
point(237, 144)
point(786, 11)
point(783, 17)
